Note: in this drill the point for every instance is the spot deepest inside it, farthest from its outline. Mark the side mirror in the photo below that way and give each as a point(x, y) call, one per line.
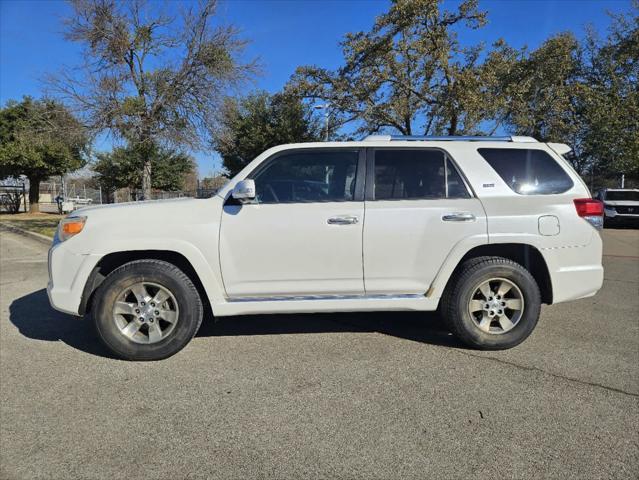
point(244, 190)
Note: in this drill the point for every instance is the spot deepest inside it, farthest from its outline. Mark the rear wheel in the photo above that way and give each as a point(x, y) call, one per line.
point(493, 303)
point(147, 310)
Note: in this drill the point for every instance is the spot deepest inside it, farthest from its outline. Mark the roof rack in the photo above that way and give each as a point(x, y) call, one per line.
point(418, 138)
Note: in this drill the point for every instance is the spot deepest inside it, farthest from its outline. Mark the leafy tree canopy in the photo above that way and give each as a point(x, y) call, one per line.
point(39, 138)
point(250, 125)
point(121, 168)
point(409, 73)
point(610, 96)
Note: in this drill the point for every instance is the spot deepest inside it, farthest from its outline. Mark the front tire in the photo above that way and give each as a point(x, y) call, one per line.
point(146, 310)
point(493, 303)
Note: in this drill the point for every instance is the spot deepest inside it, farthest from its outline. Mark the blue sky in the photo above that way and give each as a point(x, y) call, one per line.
point(283, 34)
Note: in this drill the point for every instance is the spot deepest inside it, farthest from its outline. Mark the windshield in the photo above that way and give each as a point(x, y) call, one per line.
point(623, 195)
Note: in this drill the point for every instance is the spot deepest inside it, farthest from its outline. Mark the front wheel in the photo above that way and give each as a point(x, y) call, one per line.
point(146, 310)
point(493, 303)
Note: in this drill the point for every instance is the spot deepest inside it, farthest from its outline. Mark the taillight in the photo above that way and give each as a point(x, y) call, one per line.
point(591, 210)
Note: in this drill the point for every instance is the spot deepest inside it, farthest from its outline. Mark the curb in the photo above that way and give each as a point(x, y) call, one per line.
point(26, 233)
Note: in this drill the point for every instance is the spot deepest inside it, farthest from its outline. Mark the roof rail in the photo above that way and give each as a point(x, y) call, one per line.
point(418, 138)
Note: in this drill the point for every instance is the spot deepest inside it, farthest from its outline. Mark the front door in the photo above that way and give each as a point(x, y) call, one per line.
point(417, 209)
point(302, 236)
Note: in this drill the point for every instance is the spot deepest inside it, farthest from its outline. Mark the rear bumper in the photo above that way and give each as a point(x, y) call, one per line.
point(573, 283)
point(575, 272)
point(68, 273)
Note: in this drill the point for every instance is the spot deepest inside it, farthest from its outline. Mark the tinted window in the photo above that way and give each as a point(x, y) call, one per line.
point(528, 172)
point(307, 176)
point(616, 195)
point(415, 174)
point(456, 186)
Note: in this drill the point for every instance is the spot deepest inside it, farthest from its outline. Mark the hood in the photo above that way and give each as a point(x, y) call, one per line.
point(124, 207)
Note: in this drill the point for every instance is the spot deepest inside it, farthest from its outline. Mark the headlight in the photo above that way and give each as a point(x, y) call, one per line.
point(70, 226)
point(609, 207)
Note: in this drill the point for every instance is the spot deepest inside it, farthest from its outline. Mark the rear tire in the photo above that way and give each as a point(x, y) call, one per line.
point(146, 310)
point(493, 303)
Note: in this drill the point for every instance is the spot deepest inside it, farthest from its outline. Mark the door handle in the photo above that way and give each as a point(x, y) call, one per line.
point(345, 220)
point(458, 217)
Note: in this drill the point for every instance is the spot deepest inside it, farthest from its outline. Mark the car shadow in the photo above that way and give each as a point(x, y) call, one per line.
point(34, 318)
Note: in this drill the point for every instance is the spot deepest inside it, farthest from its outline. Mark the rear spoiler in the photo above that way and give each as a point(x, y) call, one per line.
point(560, 148)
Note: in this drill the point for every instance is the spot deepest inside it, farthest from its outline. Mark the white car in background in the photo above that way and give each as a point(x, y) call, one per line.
point(485, 229)
point(620, 205)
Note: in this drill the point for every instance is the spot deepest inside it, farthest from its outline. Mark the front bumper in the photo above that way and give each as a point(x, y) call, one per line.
point(615, 215)
point(68, 273)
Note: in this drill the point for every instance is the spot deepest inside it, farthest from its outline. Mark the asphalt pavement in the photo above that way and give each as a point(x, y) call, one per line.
point(384, 395)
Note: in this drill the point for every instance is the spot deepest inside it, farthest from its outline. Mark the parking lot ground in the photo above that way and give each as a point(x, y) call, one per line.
point(384, 395)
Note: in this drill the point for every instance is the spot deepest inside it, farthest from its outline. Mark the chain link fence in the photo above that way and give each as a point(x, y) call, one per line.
point(71, 195)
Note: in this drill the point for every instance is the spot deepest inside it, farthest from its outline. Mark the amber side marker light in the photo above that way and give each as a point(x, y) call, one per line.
point(70, 226)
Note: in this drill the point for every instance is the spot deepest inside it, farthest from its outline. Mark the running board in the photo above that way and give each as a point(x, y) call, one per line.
point(323, 303)
point(299, 298)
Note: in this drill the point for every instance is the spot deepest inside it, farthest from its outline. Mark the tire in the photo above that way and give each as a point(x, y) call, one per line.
point(136, 328)
point(508, 326)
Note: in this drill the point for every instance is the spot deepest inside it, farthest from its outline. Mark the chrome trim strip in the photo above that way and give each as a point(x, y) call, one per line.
point(283, 298)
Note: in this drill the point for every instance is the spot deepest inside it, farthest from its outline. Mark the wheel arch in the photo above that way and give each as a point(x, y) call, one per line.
point(524, 254)
point(111, 261)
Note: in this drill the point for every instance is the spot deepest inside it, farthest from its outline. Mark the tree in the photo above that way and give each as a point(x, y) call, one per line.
point(120, 168)
point(542, 92)
point(408, 73)
point(611, 97)
point(38, 139)
point(148, 77)
point(250, 125)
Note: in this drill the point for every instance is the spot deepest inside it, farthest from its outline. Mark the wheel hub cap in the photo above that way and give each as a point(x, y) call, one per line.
point(145, 312)
point(496, 306)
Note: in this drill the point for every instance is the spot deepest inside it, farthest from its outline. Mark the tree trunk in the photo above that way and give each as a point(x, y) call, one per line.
point(34, 195)
point(452, 128)
point(146, 179)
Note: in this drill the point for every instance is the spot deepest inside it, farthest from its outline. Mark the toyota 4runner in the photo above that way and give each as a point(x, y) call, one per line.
point(485, 229)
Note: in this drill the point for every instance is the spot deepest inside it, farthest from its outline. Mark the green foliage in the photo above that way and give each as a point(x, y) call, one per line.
point(250, 125)
point(39, 138)
point(610, 98)
point(408, 73)
point(582, 94)
point(122, 168)
point(541, 94)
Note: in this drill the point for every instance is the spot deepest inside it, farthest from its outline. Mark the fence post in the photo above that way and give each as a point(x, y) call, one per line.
point(24, 197)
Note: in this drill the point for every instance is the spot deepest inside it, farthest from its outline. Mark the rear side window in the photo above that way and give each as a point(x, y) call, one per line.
point(416, 174)
point(528, 172)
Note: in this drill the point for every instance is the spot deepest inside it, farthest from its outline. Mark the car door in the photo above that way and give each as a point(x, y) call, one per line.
point(302, 235)
point(418, 207)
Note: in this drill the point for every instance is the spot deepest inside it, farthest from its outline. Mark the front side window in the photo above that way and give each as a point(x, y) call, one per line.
point(411, 174)
point(527, 171)
point(308, 176)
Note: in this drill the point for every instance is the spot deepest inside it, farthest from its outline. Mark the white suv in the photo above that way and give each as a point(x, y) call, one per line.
point(485, 229)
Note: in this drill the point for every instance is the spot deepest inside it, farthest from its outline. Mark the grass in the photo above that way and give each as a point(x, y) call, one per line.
point(42, 223)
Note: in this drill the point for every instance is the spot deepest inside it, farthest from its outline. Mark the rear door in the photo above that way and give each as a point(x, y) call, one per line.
point(418, 207)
